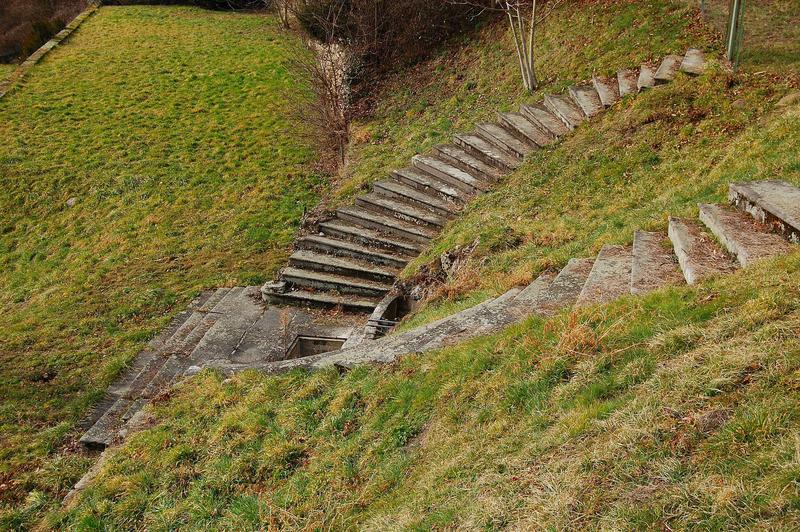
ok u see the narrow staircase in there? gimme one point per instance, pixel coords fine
(353, 259)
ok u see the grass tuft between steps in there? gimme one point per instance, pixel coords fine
(677, 409)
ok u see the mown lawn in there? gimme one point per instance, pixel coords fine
(6, 69)
(172, 132)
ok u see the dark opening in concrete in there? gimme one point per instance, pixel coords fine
(305, 346)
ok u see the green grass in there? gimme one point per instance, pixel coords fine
(671, 411)
(478, 76)
(6, 69)
(173, 129)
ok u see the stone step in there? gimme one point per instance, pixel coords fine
(607, 89)
(667, 69)
(369, 237)
(388, 224)
(565, 289)
(455, 156)
(210, 315)
(646, 78)
(586, 97)
(694, 62)
(742, 236)
(430, 201)
(501, 138)
(771, 202)
(698, 255)
(349, 267)
(306, 298)
(486, 152)
(222, 340)
(547, 121)
(401, 210)
(425, 182)
(526, 302)
(654, 264)
(347, 248)
(175, 365)
(309, 279)
(525, 130)
(449, 174)
(628, 79)
(565, 109)
(610, 277)
(104, 431)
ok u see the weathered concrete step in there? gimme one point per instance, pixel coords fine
(222, 340)
(647, 78)
(431, 201)
(458, 157)
(527, 301)
(772, 202)
(503, 139)
(486, 152)
(667, 69)
(339, 283)
(586, 97)
(389, 224)
(694, 62)
(310, 260)
(176, 363)
(425, 182)
(654, 264)
(743, 237)
(628, 79)
(525, 130)
(347, 248)
(176, 341)
(449, 174)
(565, 109)
(565, 289)
(401, 210)
(698, 255)
(104, 431)
(210, 315)
(308, 298)
(547, 121)
(607, 89)
(370, 238)
(610, 277)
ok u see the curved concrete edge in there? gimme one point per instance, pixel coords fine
(22, 70)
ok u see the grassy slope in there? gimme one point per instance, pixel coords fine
(6, 69)
(677, 410)
(170, 127)
(674, 409)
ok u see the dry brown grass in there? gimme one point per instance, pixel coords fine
(25, 25)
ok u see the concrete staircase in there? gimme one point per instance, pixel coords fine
(354, 258)
(762, 221)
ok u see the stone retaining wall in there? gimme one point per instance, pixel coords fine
(21, 71)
